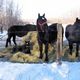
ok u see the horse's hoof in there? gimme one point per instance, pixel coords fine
(6, 46)
(77, 55)
(58, 61)
(70, 53)
(46, 59)
(40, 57)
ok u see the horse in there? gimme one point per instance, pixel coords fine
(46, 35)
(20, 31)
(25, 48)
(72, 34)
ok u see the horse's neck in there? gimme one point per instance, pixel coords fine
(77, 23)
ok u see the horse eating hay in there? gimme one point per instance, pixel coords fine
(20, 31)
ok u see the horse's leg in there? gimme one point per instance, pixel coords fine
(41, 49)
(8, 40)
(46, 52)
(14, 40)
(77, 49)
(6, 43)
(70, 47)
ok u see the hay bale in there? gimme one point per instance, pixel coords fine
(21, 57)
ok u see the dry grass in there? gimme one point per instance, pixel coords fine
(21, 57)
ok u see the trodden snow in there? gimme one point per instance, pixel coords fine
(52, 71)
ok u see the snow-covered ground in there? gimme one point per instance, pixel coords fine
(3, 37)
(17, 71)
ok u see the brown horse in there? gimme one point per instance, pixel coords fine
(46, 34)
(72, 34)
(20, 31)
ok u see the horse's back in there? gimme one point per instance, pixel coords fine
(16, 30)
(72, 33)
(31, 27)
(53, 27)
(21, 30)
(52, 32)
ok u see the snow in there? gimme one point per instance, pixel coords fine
(3, 37)
(52, 71)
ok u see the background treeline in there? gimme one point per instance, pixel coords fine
(10, 14)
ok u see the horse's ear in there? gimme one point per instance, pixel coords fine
(38, 14)
(77, 19)
(44, 15)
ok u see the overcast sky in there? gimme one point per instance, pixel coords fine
(52, 8)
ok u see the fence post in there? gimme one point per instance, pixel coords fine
(59, 43)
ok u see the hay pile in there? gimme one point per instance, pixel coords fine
(24, 57)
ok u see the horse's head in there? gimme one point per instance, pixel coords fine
(77, 20)
(41, 23)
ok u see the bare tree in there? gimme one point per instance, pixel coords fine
(9, 13)
(1, 5)
(1, 15)
(12, 13)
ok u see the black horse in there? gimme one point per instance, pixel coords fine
(20, 31)
(72, 34)
(46, 34)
